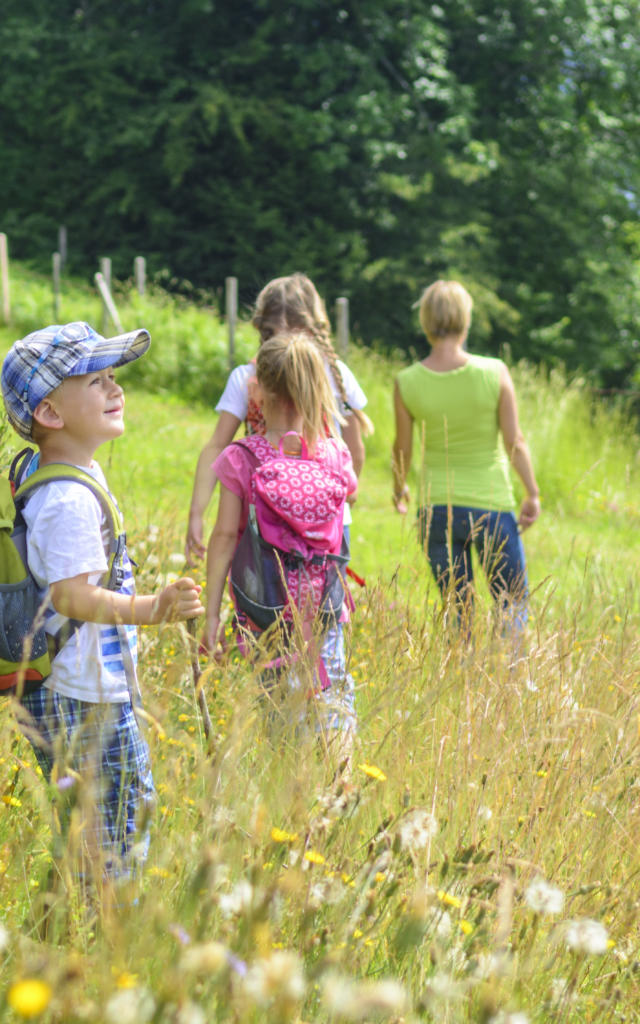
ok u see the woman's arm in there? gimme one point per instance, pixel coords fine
(205, 481)
(401, 451)
(222, 545)
(517, 449)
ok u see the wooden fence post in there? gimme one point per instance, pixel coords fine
(140, 273)
(56, 265)
(231, 309)
(342, 325)
(62, 244)
(109, 309)
(4, 277)
(105, 271)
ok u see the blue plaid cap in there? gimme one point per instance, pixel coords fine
(37, 364)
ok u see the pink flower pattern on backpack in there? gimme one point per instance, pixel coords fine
(299, 504)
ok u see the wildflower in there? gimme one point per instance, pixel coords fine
(360, 1000)
(373, 772)
(451, 901)
(509, 1018)
(313, 857)
(176, 558)
(278, 977)
(544, 898)
(4, 937)
(489, 965)
(585, 935)
(443, 987)
(29, 997)
(190, 1013)
(126, 980)
(417, 829)
(11, 801)
(240, 898)
(129, 1006)
(207, 958)
(465, 926)
(180, 934)
(280, 836)
(484, 813)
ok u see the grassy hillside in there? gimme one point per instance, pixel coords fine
(480, 865)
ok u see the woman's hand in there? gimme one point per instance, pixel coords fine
(529, 511)
(401, 501)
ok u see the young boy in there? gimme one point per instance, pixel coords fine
(60, 393)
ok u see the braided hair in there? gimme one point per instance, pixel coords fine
(292, 304)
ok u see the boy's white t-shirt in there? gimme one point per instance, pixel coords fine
(67, 535)
(235, 397)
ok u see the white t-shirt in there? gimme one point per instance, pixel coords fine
(68, 534)
(235, 397)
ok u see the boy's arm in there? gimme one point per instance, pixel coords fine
(78, 599)
(222, 545)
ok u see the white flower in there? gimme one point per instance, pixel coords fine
(355, 1000)
(204, 958)
(492, 965)
(130, 1006)
(509, 1018)
(240, 898)
(544, 898)
(277, 977)
(585, 935)
(416, 829)
(4, 937)
(191, 1013)
(177, 558)
(443, 987)
(485, 813)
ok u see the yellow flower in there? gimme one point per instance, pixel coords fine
(373, 772)
(126, 980)
(465, 926)
(29, 997)
(451, 901)
(11, 801)
(314, 857)
(280, 836)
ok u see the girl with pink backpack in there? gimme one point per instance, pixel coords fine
(279, 525)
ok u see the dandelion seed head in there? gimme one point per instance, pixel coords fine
(359, 1000)
(278, 978)
(239, 899)
(543, 898)
(417, 829)
(584, 935)
(129, 1006)
(205, 958)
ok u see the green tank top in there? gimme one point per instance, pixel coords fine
(456, 413)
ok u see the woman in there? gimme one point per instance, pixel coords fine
(465, 408)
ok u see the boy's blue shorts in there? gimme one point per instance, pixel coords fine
(98, 759)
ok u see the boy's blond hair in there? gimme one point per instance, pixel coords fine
(445, 309)
(290, 368)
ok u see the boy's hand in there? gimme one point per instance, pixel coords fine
(179, 600)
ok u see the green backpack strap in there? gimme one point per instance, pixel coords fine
(117, 538)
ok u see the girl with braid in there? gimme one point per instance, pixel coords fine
(285, 304)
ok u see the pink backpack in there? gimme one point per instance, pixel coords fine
(291, 551)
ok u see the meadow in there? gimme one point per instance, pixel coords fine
(481, 862)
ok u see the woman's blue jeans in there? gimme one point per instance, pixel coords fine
(448, 533)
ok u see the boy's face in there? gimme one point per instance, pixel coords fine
(89, 408)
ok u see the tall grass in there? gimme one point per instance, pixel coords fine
(480, 863)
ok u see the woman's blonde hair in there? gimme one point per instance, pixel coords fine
(290, 368)
(292, 304)
(445, 309)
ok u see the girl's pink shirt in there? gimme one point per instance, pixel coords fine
(233, 470)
